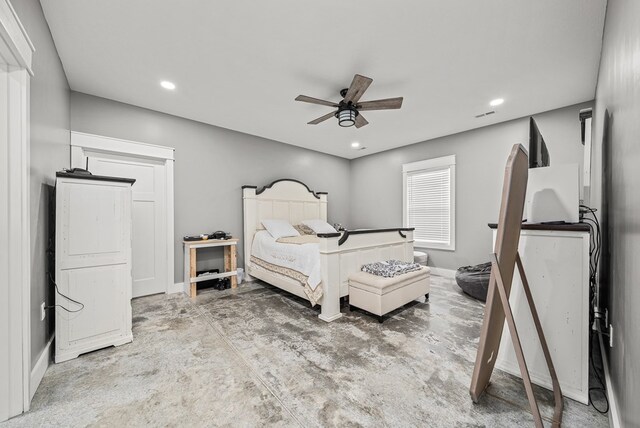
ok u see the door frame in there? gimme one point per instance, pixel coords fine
(16, 52)
(81, 142)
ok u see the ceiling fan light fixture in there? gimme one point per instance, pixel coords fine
(348, 110)
(347, 117)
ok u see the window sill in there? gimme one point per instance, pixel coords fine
(427, 246)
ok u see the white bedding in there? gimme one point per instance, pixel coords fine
(304, 258)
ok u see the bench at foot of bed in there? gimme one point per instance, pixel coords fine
(379, 295)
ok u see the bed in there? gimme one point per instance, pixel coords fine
(340, 254)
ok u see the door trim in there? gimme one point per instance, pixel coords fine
(119, 146)
(81, 141)
(16, 52)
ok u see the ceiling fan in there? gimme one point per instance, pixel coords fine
(348, 110)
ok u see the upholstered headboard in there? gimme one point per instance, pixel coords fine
(284, 199)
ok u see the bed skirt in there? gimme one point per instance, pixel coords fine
(313, 295)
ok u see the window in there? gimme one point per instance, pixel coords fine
(429, 201)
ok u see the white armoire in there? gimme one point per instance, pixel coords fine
(93, 263)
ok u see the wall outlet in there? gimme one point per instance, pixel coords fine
(611, 336)
(43, 312)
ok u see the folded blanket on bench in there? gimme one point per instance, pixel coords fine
(390, 268)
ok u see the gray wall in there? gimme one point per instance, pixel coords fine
(211, 166)
(207, 195)
(49, 153)
(376, 180)
(618, 92)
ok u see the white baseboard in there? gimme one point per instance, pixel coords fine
(178, 287)
(40, 368)
(447, 273)
(614, 412)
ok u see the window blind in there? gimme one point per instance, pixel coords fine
(429, 205)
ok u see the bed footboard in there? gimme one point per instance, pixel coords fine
(345, 253)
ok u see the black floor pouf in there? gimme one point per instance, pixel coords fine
(474, 280)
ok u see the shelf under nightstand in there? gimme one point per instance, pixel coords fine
(190, 257)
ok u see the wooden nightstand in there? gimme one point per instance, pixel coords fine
(190, 251)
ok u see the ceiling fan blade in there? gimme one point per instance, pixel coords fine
(357, 88)
(312, 100)
(322, 118)
(361, 121)
(386, 104)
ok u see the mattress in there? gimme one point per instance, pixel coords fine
(303, 258)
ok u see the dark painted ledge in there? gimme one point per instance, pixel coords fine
(567, 227)
(94, 177)
(345, 234)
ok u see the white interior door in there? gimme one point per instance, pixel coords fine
(149, 228)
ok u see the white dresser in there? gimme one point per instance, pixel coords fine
(556, 262)
(93, 263)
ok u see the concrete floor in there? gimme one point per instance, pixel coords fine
(255, 356)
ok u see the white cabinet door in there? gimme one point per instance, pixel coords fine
(149, 217)
(100, 290)
(92, 225)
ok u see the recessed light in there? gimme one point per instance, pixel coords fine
(496, 102)
(355, 144)
(168, 85)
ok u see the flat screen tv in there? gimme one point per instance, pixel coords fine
(538, 153)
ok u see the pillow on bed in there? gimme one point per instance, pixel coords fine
(319, 226)
(303, 229)
(279, 228)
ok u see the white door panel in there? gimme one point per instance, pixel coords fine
(92, 221)
(144, 236)
(99, 290)
(88, 239)
(149, 229)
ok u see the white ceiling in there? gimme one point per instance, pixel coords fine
(239, 64)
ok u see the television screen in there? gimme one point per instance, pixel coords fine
(538, 153)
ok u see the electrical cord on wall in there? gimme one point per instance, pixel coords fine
(594, 255)
(595, 248)
(66, 297)
(602, 388)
